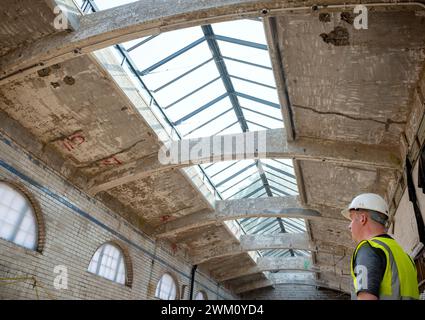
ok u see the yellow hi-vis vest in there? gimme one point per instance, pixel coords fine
(400, 277)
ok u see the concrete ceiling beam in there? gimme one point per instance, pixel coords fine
(295, 279)
(286, 264)
(295, 241)
(273, 143)
(139, 19)
(249, 145)
(253, 286)
(283, 207)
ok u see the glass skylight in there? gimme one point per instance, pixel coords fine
(201, 78)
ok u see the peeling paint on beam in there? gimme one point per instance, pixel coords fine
(286, 264)
(269, 144)
(188, 222)
(142, 18)
(341, 284)
(254, 285)
(124, 23)
(292, 279)
(259, 242)
(296, 241)
(273, 144)
(283, 207)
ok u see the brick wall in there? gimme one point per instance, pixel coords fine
(294, 292)
(75, 226)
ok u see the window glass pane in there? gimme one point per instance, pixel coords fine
(263, 120)
(243, 168)
(247, 30)
(201, 296)
(192, 121)
(163, 46)
(212, 126)
(196, 58)
(250, 72)
(17, 219)
(108, 262)
(261, 92)
(166, 288)
(245, 53)
(197, 101)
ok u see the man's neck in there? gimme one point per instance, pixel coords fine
(371, 234)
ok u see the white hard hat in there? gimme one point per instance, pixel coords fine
(368, 201)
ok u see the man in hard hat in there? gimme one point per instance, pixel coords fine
(379, 266)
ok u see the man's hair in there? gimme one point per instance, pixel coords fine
(378, 217)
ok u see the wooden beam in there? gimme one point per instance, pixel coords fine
(249, 145)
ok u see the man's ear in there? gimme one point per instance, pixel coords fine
(363, 217)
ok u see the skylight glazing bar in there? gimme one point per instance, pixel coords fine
(234, 175)
(277, 190)
(280, 171)
(229, 126)
(257, 124)
(171, 57)
(142, 42)
(236, 183)
(262, 114)
(182, 75)
(289, 223)
(208, 122)
(266, 102)
(264, 228)
(242, 42)
(282, 163)
(229, 166)
(205, 106)
(281, 178)
(281, 185)
(222, 69)
(191, 93)
(253, 192)
(247, 62)
(254, 82)
(247, 221)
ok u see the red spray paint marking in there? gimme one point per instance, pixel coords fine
(165, 218)
(111, 161)
(73, 141)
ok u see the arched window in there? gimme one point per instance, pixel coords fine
(201, 295)
(166, 288)
(108, 262)
(18, 223)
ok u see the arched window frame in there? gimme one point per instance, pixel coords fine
(176, 283)
(36, 209)
(128, 266)
(204, 295)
